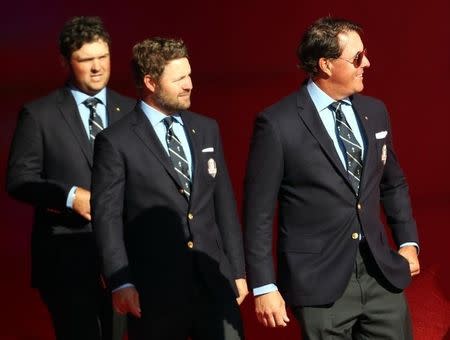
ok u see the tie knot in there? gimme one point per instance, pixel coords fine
(91, 103)
(335, 106)
(168, 121)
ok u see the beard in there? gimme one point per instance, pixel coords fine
(171, 103)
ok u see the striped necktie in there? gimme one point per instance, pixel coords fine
(353, 151)
(178, 157)
(95, 121)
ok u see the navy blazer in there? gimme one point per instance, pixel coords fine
(148, 232)
(294, 163)
(50, 153)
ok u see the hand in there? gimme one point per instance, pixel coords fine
(410, 254)
(126, 300)
(270, 310)
(81, 203)
(241, 285)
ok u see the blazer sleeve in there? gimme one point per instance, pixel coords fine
(262, 184)
(108, 183)
(395, 198)
(226, 214)
(26, 179)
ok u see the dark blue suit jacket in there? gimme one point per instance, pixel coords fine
(50, 153)
(144, 223)
(294, 163)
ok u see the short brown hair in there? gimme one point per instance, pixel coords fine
(321, 41)
(151, 56)
(79, 31)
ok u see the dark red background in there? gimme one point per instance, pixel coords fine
(243, 59)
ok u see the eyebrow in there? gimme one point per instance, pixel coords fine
(187, 75)
(91, 58)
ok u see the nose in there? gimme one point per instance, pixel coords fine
(187, 85)
(366, 62)
(95, 67)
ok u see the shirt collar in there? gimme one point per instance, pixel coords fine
(155, 116)
(320, 99)
(80, 97)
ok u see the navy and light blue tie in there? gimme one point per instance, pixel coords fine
(351, 146)
(95, 121)
(178, 157)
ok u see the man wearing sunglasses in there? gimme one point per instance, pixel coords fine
(325, 155)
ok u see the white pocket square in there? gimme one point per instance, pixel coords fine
(381, 134)
(208, 150)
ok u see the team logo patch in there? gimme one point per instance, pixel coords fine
(212, 168)
(384, 154)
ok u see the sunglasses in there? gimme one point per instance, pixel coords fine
(357, 60)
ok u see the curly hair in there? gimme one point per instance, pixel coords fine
(321, 41)
(80, 30)
(151, 56)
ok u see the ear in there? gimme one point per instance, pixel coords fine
(150, 83)
(325, 66)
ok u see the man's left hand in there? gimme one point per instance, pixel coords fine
(410, 254)
(242, 290)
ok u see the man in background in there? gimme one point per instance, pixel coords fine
(50, 166)
(164, 212)
(325, 155)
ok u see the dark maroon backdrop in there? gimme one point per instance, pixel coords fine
(243, 59)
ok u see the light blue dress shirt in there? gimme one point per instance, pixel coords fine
(156, 119)
(322, 102)
(80, 97)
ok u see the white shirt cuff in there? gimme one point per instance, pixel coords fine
(71, 197)
(125, 285)
(411, 244)
(271, 287)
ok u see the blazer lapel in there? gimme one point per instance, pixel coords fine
(309, 115)
(69, 111)
(147, 134)
(366, 131)
(113, 108)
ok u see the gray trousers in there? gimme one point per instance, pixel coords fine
(370, 308)
(119, 326)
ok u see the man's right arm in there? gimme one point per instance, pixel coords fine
(108, 185)
(107, 201)
(262, 184)
(26, 179)
(26, 174)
